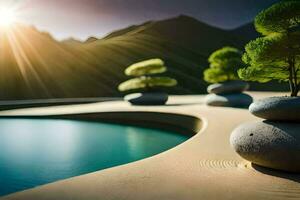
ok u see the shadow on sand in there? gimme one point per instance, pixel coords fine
(184, 104)
(277, 173)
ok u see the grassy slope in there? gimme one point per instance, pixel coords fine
(36, 66)
(45, 68)
(183, 42)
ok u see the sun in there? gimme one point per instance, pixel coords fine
(7, 17)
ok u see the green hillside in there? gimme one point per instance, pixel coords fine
(34, 65)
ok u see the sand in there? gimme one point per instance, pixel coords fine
(204, 167)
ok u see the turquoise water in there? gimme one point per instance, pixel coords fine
(34, 152)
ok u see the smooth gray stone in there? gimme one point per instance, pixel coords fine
(277, 108)
(273, 145)
(229, 100)
(147, 98)
(229, 87)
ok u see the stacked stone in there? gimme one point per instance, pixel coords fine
(228, 94)
(275, 142)
(153, 98)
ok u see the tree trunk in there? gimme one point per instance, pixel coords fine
(295, 72)
(228, 77)
(293, 79)
(146, 85)
(291, 86)
(297, 90)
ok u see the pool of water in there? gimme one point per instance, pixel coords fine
(34, 152)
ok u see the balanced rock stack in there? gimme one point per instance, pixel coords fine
(155, 98)
(228, 94)
(275, 142)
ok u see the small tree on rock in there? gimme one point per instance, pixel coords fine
(276, 55)
(224, 64)
(145, 76)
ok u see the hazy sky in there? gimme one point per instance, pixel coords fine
(82, 18)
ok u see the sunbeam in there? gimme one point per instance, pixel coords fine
(24, 63)
(8, 16)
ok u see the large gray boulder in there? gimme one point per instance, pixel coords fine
(229, 100)
(269, 144)
(229, 87)
(277, 108)
(147, 98)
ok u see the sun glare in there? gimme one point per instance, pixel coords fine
(7, 17)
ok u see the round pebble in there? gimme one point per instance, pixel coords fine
(274, 145)
(147, 98)
(277, 108)
(230, 87)
(229, 100)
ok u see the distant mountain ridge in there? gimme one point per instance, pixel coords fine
(37, 66)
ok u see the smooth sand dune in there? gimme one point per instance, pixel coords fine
(205, 167)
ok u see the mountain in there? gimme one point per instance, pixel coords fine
(91, 39)
(71, 41)
(34, 65)
(246, 32)
(187, 31)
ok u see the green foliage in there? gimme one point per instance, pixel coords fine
(276, 56)
(215, 75)
(224, 54)
(224, 64)
(268, 58)
(271, 50)
(279, 18)
(145, 79)
(152, 66)
(147, 82)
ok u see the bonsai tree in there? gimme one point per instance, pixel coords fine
(224, 64)
(145, 76)
(276, 55)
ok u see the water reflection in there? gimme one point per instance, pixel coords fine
(149, 142)
(36, 152)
